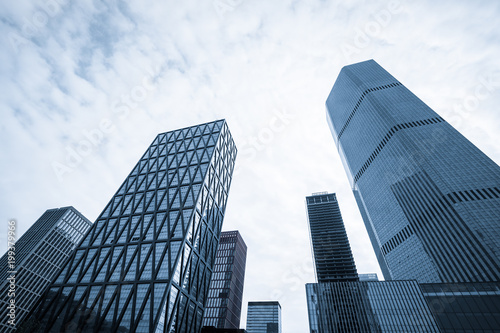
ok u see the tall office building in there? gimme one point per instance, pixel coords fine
(340, 302)
(429, 198)
(331, 249)
(223, 307)
(38, 255)
(368, 307)
(368, 277)
(264, 317)
(146, 263)
(464, 307)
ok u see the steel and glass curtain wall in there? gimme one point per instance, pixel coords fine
(146, 264)
(38, 255)
(429, 198)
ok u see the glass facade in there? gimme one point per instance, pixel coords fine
(39, 254)
(464, 307)
(212, 329)
(378, 307)
(223, 307)
(429, 198)
(146, 263)
(264, 317)
(331, 249)
(368, 277)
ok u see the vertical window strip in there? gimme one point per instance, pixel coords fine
(384, 142)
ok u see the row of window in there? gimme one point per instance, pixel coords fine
(32, 237)
(397, 239)
(393, 306)
(472, 195)
(170, 162)
(389, 135)
(457, 253)
(314, 199)
(36, 272)
(363, 95)
(162, 179)
(72, 222)
(181, 145)
(189, 132)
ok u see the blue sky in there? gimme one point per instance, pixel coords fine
(86, 87)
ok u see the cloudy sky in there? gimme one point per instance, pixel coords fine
(86, 87)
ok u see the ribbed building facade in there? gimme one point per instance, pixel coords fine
(429, 198)
(39, 254)
(340, 302)
(368, 307)
(225, 295)
(146, 264)
(264, 317)
(331, 249)
(368, 277)
(464, 307)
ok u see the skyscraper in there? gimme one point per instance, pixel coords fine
(39, 254)
(339, 302)
(464, 307)
(331, 249)
(225, 295)
(368, 277)
(368, 307)
(429, 198)
(264, 317)
(146, 263)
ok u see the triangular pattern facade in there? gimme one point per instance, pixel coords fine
(146, 263)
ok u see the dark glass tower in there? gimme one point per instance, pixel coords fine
(464, 307)
(339, 302)
(225, 295)
(39, 254)
(368, 307)
(429, 198)
(264, 317)
(332, 252)
(146, 263)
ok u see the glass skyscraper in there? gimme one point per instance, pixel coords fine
(146, 263)
(368, 307)
(264, 317)
(225, 295)
(339, 302)
(429, 198)
(39, 254)
(331, 249)
(368, 277)
(464, 307)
